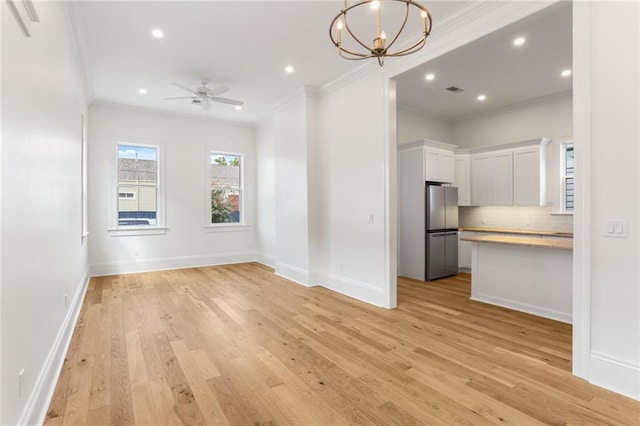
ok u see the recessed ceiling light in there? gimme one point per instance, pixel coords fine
(143, 91)
(482, 97)
(429, 76)
(519, 41)
(565, 73)
(288, 69)
(238, 107)
(157, 33)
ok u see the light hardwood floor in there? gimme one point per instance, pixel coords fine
(238, 345)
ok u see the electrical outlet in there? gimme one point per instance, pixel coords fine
(370, 219)
(20, 383)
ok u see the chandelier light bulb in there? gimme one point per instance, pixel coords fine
(423, 14)
(340, 25)
(383, 35)
(375, 5)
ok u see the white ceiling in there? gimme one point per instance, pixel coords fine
(493, 66)
(244, 45)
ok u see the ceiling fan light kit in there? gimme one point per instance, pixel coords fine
(357, 49)
(203, 95)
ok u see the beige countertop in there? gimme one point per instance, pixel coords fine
(517, 231)
(563, 244)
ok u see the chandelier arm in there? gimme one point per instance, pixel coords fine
(346, 25)
(411, 49)
(404, 23)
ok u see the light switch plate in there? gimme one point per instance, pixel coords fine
(616, 228)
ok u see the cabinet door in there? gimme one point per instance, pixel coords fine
(464, 251)
(462, 179)
(445, 167)
(502, 171)
(431, 165)
(481, 178)
(526, 177)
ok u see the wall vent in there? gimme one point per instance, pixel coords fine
(454, 89)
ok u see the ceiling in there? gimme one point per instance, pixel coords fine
(493, 66)
(244, 45)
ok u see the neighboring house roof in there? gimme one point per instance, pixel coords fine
(142, 170)
(225, 176)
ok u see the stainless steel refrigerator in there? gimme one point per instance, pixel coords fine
(442, 232)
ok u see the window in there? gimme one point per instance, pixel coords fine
(567, 164)
(137, 185)
(225, 188)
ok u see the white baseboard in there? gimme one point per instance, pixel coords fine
(149, 265)
(523, 307)
(355, 289)
(616, 375)
(295, 274)
(266, 259)
(35, 409)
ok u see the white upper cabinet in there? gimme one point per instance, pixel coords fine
(506, 175)
(529, 175)
(492, 178)
(438, 164)
(462, 178)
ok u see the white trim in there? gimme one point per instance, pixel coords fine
(80, 50)
(163, 264)
(614, 374)
(265, 259)
(129, 231)
(523, 307)
(226, 227)
(355, 289)
(295, 274)
(390, 150)
(582, 214)
(35, 410)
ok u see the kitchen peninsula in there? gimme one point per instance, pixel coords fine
(528, 273)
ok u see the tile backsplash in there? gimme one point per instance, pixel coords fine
(526, 218)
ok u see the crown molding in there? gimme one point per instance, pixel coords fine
(301, 93)
(80, 49)
(108, 104)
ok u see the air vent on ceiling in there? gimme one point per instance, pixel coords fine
(454, 89)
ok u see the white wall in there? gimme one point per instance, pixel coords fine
(185, 143)
(43, 253)
(266, 193)
(550, 117)
(415, 125)
(353, 140)
(291, 203)
(607, 286)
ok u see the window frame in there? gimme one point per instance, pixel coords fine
(133, 230)
(564, 176)
(225, 226)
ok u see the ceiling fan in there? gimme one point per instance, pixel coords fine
(203, 95)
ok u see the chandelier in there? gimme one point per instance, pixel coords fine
(357, 49)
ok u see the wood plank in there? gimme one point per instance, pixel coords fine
(236, 344)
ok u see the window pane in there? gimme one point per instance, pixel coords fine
(137, 185)
(225, 188)
(569, 161)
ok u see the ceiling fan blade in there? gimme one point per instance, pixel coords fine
(228, 101)
(180, 97)
(218, 91)
(185, 88)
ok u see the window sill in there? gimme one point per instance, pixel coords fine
(137, 230)
(226, 228)
(562, 213)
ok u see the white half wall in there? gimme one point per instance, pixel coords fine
(415, 125)
(185, 143)
(44, 256)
